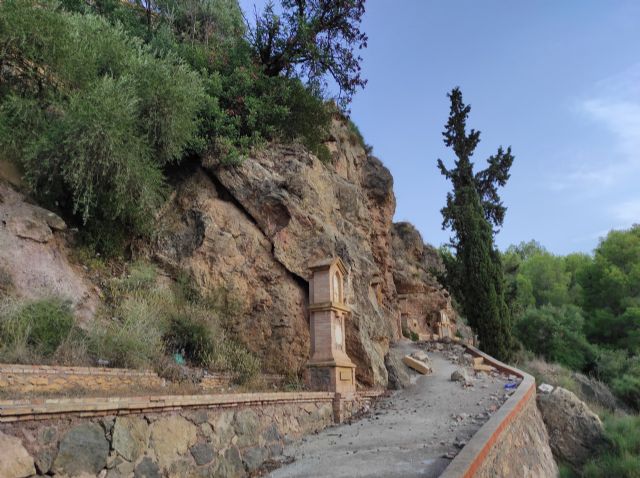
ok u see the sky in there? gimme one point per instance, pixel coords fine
(559, 81)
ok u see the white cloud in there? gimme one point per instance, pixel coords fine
(615, 105)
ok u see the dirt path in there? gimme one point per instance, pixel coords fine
(406, 435)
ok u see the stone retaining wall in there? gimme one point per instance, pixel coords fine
(21, 379)
(514, 442)
(200, 435)
(27, 379)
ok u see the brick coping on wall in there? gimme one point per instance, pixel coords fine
(56, 370)
(41, 409)
(97, 371)
(475, 452)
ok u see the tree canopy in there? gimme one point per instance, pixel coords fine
(313, 39)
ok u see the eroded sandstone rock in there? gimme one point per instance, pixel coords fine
(423, 301)
(15, 461)
(208, 235)
(575, 432)
(34, 259)
(310, 211)
(256, 228)
(595, 391)
(397, 370)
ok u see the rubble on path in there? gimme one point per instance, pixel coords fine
(417, 365)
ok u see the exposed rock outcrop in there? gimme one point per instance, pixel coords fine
(206, 233)
(252, 231)
(425, 305)
(398, 372)
(34, 257)
(594, 391)
(575, 432)
(308, 211)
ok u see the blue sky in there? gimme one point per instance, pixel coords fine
(559, 81)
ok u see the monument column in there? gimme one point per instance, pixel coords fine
(330, 369)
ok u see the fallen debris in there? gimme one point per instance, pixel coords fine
(421, 355)
(416, 365)
(545, 388)
(460, 375)
(482, 368)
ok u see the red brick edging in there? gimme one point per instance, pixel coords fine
(469, 461)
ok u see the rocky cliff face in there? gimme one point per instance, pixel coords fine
(252, 231)
(256, 228)
(34, 255)
(423, 299)
(207, 234)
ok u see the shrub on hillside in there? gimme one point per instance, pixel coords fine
(556, 333)
(132, 338)
(141, 276)
(621, 372)
(189, 334)
(91, 114)
(231, 356)
(34, 330)
(622, 458)
(41, 325)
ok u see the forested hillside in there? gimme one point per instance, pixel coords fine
(580, 310)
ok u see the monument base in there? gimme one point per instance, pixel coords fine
(331, 378)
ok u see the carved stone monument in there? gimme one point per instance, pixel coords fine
(330, 369)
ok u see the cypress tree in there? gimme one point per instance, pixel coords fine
(472, 212)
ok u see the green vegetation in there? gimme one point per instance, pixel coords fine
(34, 329)
(317, 39)
(622, 457)
(188, 335)
(141, 325)
(474, 274)
(98, 99)
(555, 333)
(582, 311)
(91, 114)
(410, 334)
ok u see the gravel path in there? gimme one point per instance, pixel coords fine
(415, 432)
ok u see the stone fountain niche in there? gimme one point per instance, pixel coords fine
(330, 369)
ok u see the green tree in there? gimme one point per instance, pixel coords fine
(611, 290)
(556, 333)
(548, 278)
(472, 208)
(312, 40)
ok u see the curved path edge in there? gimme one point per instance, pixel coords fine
(474, 457)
